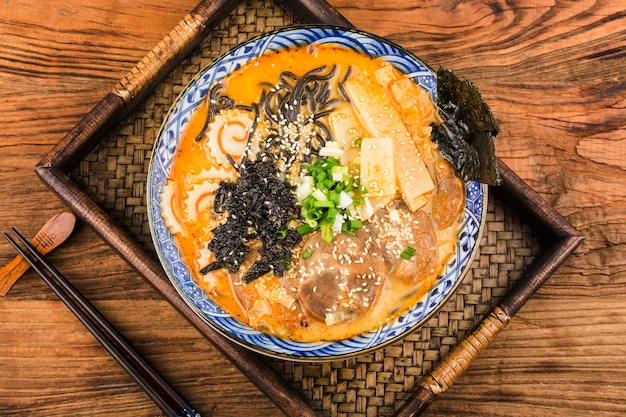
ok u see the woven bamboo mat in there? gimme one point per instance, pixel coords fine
(115, 172)
(115, 175)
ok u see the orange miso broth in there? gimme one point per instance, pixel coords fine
(373, 209)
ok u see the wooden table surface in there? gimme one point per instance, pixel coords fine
(554, 73)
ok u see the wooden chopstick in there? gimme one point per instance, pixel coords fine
(164, 395)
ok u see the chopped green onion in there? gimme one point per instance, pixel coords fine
(305, 188)
(356, 224)
(339, 169)
(334, 197)
(320, 176)
(344, 200)
(308, 212)
(327, 232)
(328, 183)
(319, 195)
(307, 253)
(330, 199)
(280, 234)
(338, 223)
(357, 142)
(331, 214)
(407, 253)
(286, 263)
(314, 224)
(327, 204)
(313, 216)
(304, 229)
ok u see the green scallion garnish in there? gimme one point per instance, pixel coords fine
(280, 234)
(329, 198)
(407, 253)
(305, 228)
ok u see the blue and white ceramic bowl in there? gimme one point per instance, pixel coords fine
(175, 267)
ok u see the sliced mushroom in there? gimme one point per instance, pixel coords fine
(449, 198)
(341, 279)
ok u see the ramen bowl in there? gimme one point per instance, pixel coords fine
(169, 251)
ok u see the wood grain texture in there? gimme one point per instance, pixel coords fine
(554, 73)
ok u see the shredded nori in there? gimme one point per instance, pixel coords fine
(466, 136)
(257, 206)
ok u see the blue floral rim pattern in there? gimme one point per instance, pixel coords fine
(164, 153)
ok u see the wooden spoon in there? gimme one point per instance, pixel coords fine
(52, 234)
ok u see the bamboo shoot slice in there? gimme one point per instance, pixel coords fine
(378, 174)
(345, 126)
(347, 129)
(416, 107)
(379, 116)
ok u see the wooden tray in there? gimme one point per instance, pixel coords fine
(407, 376)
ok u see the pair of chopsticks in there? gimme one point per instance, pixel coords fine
(164, 395)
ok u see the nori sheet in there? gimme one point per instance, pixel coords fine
(466, 136)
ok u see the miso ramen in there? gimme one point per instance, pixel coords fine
(307, 197)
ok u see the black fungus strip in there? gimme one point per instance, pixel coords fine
(291, 104)
(256, 207)
(340, 86)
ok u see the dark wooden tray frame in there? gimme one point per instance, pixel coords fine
(561, 237)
